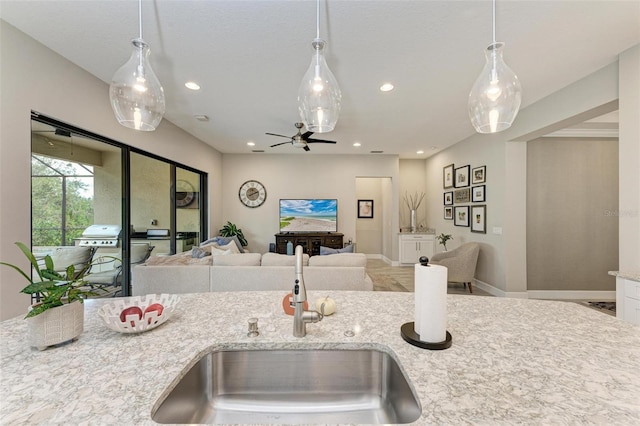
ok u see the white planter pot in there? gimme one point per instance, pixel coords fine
(56, 325)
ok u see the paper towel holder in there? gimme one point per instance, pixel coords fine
(410, 336)
(424, 260)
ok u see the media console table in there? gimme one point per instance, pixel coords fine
(310, 241)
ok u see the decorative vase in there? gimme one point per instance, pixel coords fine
(413, 221)
(56, 325)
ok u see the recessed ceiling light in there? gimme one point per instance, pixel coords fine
(386, 87)
(201, 117)
(192, 85)
(250, 143)
(420, 152)
(357, 144)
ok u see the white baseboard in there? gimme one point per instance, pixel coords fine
(495, 291)
(376, 256)
(601, 296)
(384, 258)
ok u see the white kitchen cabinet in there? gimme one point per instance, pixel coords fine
(413, 246)
(628, 300)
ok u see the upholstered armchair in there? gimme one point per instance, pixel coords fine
(460, 263)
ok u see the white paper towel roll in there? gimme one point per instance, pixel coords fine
(431, 303)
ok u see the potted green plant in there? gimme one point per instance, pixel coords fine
(443, 238)
(230, 230)
(59, 298)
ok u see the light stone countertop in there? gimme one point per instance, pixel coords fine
(512, 361)
(629, 275)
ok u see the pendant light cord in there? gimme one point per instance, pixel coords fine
(140, 17)
(318, 19)
(494, 21)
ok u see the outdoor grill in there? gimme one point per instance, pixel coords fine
(100, 236)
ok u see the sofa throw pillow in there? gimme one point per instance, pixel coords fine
(223, 241)
(199, 253)
(328, 250)
(216, 251)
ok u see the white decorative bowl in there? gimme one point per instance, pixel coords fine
(110, 313)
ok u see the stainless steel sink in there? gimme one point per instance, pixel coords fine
(292, 386)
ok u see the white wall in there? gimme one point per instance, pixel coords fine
(370, 231)
(300, 176)
(413, 183)
(629, 146)
(33, 77)
(476, 151)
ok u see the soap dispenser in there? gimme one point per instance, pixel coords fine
(289, 248)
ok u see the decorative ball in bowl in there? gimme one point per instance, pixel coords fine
(138, 313)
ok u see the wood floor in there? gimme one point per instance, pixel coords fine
(400, 278)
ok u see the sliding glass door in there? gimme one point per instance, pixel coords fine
(85, 186)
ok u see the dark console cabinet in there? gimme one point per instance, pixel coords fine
(309, 241)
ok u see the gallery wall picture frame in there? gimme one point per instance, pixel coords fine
(479, 175)
(448, 198)
(461, 177)
(479, 219)
(447, 176)
(478, 194)
(365, 209)
(461, 196)
(448, 213)
(461, 216)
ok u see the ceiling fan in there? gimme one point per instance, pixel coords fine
(300, 140)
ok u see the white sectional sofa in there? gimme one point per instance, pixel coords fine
(253, 271)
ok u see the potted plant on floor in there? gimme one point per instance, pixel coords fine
(58, 314)
(443, 238)
(230, 230)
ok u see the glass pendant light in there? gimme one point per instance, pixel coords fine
(136, 96)
(495, 97)
(319, 95)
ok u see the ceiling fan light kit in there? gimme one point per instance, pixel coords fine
(496, 95)
(135, 93)
(300, 140)
(319, 95)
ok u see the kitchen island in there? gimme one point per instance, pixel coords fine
(512, 361)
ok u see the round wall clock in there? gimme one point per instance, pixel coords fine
(252, 193)
(185, 193)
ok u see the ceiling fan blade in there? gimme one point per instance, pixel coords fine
(278, 144)
(306, 135)
(275, 134)
(306, 148)
(319, 141)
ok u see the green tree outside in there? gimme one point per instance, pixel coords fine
(49, 175)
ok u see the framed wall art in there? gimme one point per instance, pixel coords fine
(448, 198)
(448, 213)
(461, 177)
(461, 196)
(479, 175)
(479, 219)
(447, 176)
(461, 215)
(477, 194)
(365, 209)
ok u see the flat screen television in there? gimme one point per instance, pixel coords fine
(309, 215)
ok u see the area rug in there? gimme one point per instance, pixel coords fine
(606, 307)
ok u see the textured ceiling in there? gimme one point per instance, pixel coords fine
(249, 58)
